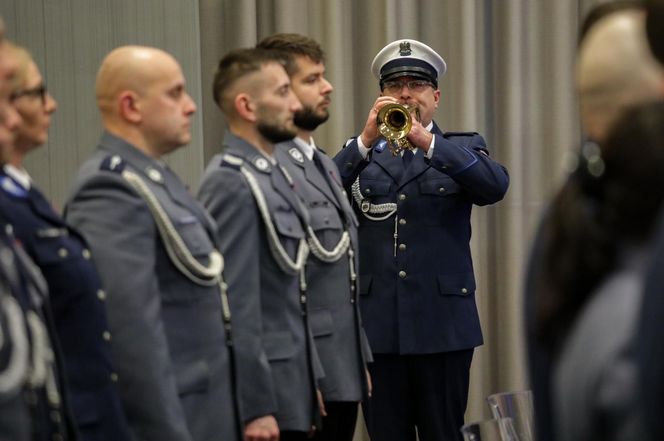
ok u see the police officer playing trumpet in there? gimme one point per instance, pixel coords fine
(414, 202)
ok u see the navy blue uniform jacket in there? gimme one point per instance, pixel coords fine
(79, 313)
(416, 272)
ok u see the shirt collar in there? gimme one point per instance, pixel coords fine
(20, 175)
(308, 148)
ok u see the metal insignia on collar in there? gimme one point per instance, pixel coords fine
(154, 174)
(261, 164)
(296, 154)
(404, 48)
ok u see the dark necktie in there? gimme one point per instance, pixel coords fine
(407, 157)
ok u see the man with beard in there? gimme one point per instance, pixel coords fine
(331, 269)
(261, 230)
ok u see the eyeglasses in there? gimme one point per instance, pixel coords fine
(414, 85)
(36, 92)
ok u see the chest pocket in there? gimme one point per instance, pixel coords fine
(55, 249)
(287, 223)
(442, 186)
(195, 237)
(375, 190)
(324, 215)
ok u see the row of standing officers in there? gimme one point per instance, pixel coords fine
(237, 315)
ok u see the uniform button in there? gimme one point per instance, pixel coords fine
(62, 252)
(367, 191)
(327, 221)
(352, 300)
(106, 335)
(402, 274)
(464, 291)
(402, 221)
(114, 377)
(101, 295)
(9, 229)
(402, 197)
(441, 189)
(303, 299)
(86, 254)
(402, 247)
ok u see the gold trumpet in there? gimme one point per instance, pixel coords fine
(394, 122)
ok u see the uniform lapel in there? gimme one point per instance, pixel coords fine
(392, 165)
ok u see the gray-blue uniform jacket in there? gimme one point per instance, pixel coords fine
(334, 314)
(79, 312)
(277, 363)
(169, 341)
(417, 280)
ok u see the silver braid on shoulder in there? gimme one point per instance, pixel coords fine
(181, 257)
(282, 258)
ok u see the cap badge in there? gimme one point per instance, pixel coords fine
(296, 154)
(404, 48)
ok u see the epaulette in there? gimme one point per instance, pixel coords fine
(9, 186)
(231, 161)
(113, 163)
(460, 133)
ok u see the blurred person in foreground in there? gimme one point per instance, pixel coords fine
(615, 71)
(75, 294)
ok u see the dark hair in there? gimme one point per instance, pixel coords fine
(293, 45)
(237, 64)
(654, 27)
(602, 10)
(597, 212)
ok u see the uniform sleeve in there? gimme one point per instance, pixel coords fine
(226, 195)
(122, 235)
(350, 162)
(466, 160)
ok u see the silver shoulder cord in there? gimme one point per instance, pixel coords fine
(177, 251)
(278, 252)
(368, 209)
(11, 378)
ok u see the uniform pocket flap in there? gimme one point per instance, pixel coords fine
(461, 284)
(278, 345)
(370, 187)
(440, 187)
(321, 322)
(193, 377)
(288, 224)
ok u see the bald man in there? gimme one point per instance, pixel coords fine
(615, 70)
(155, 250)
(261, 226)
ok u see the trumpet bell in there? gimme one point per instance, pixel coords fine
(394, 123)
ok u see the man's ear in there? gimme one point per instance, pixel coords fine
(245, 107)
(128, 107)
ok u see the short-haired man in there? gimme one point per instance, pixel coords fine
(331, 269)
(261, 229)
(417, 281)
(155, 251)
